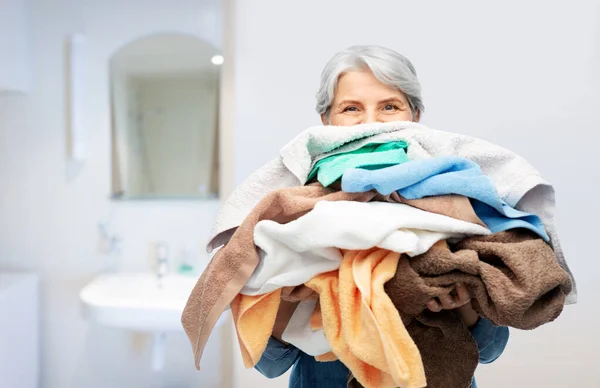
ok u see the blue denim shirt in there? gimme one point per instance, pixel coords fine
(308, 373)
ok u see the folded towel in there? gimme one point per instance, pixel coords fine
(513, 278)
(299, 250)
(371, 157)
(361, 323)
(232, 266)
(519, 184)
(440, 176)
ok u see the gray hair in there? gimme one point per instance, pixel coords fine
(388, 66)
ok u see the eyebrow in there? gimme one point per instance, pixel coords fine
(387, 100)
(392, 99)
(347, 102)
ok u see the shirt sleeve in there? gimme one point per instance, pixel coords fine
(491, 340)
(277, 358)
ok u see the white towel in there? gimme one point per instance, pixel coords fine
(299, 333)
(296, 252)
(519, 184)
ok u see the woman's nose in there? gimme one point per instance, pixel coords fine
(370, 117)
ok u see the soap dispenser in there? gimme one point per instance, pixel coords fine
(187, 260)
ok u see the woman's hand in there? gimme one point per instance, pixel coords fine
(458, 299)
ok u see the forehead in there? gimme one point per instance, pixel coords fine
(363, 84)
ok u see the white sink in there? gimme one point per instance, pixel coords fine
(136, 302)
(139, 302)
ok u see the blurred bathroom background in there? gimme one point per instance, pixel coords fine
(124, 124)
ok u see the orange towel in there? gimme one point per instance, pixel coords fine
(362, 325)
(316, 323)
(360, 321)
(254, 318)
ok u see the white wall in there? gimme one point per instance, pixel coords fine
(525, 75)
(49, 209)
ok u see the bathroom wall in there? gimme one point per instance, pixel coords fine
(49, 208)
(525, 75)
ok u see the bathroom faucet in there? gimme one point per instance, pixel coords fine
(162, 261)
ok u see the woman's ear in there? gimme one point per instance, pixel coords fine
(324, 119)
(418, 116)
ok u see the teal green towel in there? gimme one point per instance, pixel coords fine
(372, 156)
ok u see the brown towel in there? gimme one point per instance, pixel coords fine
(231, 267)
(448, 350)
(514, 279)
(513, 276)
(454, 206)
(451, 205)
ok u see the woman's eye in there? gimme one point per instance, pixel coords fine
(350, 109)
(390, 107)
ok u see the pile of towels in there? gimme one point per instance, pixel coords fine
(361, 226)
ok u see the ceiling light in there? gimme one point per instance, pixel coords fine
(217, 60)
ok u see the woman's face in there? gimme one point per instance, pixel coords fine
(360, 98)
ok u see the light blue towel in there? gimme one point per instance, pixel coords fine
(442, 176)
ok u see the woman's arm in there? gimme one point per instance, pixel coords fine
(277, 358)
(491, 340)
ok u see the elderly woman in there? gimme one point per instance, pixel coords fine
(366, 84)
